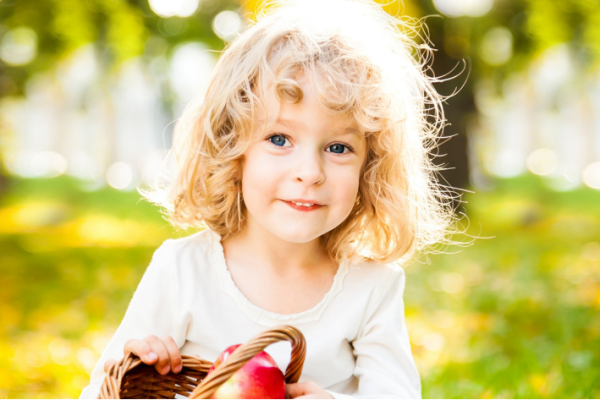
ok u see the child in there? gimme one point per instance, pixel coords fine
(306, 164)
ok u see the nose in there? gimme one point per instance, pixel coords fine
(309, 169)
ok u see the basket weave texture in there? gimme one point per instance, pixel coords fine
(130, 378)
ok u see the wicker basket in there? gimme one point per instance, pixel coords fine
(130, 378)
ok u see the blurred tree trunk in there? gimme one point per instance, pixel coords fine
(3, 181)
(452, 152)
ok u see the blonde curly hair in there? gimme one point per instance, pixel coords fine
(366, 65)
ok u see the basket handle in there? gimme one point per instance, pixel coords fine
(111, 385)
(246, 351)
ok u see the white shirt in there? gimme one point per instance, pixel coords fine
(356, 338)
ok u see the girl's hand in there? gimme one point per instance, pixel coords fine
(305, 390)
(163, 353)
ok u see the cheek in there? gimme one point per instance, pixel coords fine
(344, 187)
(259, 178)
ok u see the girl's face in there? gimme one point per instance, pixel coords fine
(307, 154)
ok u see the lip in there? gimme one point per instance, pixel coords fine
(302, 208)
(305, 201)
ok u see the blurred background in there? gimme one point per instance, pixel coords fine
(89, 91)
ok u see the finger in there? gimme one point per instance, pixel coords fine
(311, 396)
(174, 354)
(141, 349)
(305, 390)
(163, 365)
(109, 363)
(294, 390)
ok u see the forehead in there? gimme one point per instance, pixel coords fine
(342, 125)
(307, 114)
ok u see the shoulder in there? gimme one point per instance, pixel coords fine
(382, 288)
(379, 276)
(376, 283)
(180, 252)
(195, 241)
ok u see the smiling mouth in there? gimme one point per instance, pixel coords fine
(299, 203)
(302, 206)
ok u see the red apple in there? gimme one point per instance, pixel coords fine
(259, 378)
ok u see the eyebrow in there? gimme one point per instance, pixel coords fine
(293, 124)
(290, 123)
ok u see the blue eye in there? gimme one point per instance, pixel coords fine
(338, 147)
(280, 140)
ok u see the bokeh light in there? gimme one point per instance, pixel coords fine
(48, 164)
(459, 8)
(119, 175)
(496, 46)
(191, 66)
(151, 165)
(170, 8)
(172, 26)
(591, 175)
(227, 24)
(44, 164)
(591, 251)
(87, 358)
(542, 161)
(564, 181)
(506, 163)
(452, 283)
(433, 341)
(19, 46)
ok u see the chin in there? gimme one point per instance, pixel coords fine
(296, 234)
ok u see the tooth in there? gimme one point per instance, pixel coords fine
(303, 204)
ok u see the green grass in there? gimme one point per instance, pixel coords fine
(513, 316)
(525, 322)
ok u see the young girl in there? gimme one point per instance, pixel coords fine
(306, 163)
